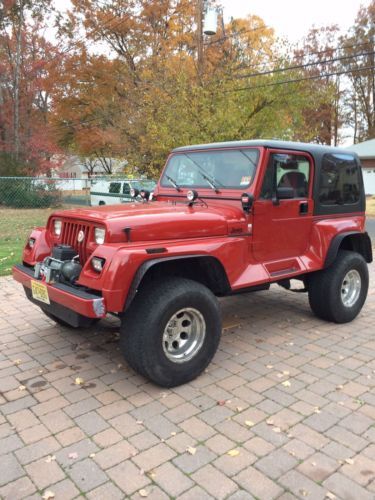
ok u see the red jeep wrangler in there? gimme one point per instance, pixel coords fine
(225, 218)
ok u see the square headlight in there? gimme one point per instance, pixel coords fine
(99, 235)
(57, 225)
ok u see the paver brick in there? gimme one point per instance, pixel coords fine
(153, 457)
(127, 477)
(10, 469)
(114, 454)
(346, 489)
(87, 475)
(44, 474)
(172, 480)
(214, 481)
(19, 489)
(257, 484)
(190, 463)
(276, 463)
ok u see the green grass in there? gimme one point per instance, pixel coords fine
(15, 227)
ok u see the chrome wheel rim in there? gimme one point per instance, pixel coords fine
(351, 288)
(184, 335)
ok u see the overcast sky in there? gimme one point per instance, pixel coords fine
(290, 18)
(293, 18)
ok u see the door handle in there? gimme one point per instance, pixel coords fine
(304, 208)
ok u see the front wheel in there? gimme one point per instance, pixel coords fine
(171, 331)
(338, 293)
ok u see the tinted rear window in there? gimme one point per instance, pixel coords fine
(339, 180)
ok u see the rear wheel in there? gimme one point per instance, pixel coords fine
(339, 292)
(171, 331)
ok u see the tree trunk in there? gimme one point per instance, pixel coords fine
(17, 72)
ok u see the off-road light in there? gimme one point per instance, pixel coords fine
(57, 225)
(247, 201)
(99, 235)
(134, 192)
(97, 264)
(191, 195)
(31, 242)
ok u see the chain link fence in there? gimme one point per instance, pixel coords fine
(50, 192)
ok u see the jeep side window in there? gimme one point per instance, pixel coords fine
(286, 170)
(126, 188)
(339, 180)
(115, 187)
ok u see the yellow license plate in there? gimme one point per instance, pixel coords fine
(39, 292)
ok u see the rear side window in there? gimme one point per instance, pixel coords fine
(115, 187)
(339, 180)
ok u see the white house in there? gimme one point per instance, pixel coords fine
(366, 151)
(75, 171)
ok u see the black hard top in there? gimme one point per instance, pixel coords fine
(314, 149)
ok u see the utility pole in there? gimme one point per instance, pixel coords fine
(200, 7)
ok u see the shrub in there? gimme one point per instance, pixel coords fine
(28, 193)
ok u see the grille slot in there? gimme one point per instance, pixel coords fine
(69, 236)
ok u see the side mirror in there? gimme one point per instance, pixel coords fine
(247, 200)
(284, 193)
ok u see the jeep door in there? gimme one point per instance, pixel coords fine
(282, 227)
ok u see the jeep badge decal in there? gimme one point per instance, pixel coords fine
(81, 236)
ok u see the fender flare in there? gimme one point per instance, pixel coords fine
(364, 249)
(147, 265)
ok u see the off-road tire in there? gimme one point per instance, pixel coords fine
(325, 288)
(143, 325)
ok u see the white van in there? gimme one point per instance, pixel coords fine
(115, 191)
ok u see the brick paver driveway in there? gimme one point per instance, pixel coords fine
(285, 411)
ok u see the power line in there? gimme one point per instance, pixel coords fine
(295, 80)
(302, 56)
(302, 66)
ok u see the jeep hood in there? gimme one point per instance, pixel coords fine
(160, 220)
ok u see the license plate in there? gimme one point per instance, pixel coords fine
(39, 292)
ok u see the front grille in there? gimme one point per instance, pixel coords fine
(69, 236)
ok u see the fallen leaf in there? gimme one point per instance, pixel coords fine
(339, 387)
(330, 495)
(313, 464)
(143, 493)
(276, 429)
(113, 370)
(304, 493)
(141, 472)
(249, 423)
(221, 402)
(173, 433)
(317, 410)
(349, 461)
(191, 450)
(239, 408)
(139, 422)
(233, 453)
(79, 381)
(50, 458)
(119, 365)
(22, 388)
(285, 372)
(269, 421)
(17, 361)
(73, 455)
(92, 455)
(269, 367)
(286, 383)
(47, 495)
(279, 375)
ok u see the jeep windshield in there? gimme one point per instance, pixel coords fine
(224, 169)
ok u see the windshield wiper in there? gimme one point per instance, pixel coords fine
(174, 183)
(210, 181)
